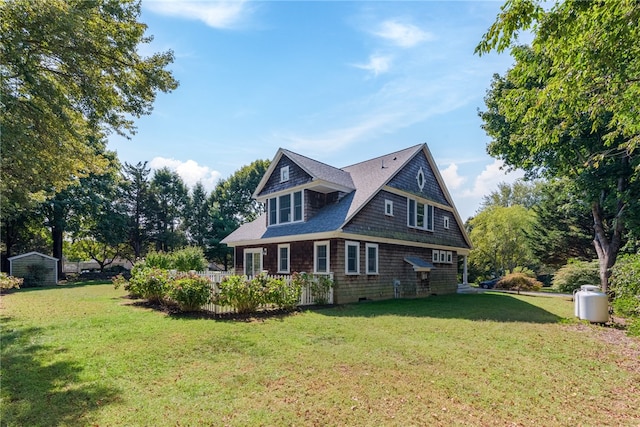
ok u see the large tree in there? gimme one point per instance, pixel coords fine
(70, 72)
(568, 107)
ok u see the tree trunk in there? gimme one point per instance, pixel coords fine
(607, 249)
(56, 235)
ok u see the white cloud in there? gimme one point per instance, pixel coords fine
(488, 180)
(377, 64)
(403, 35)
(216, 14)
(190, 171)
(451, 177)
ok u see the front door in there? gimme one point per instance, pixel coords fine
(252, 261)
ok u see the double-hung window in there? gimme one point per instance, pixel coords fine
(283, 258)
(286, 208)
(372, 258)
(419, 215)
(352, 258)
(321, 257)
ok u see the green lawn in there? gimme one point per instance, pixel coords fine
(85, 356)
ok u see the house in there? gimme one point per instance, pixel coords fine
(385, 228)
(37, 269)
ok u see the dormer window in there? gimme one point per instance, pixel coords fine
(286, 208)
(284, 174)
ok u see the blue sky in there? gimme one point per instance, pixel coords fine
(340, 82)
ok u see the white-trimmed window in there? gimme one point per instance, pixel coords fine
(419, 215)
(372, 258)
(388, 207)
(252, 261)
(283, 258)
(286, 208)
(435, 255)
(284, 174)
(445, 221)
(442, 257)
(321, 257)
(449, 257)
(352, 258)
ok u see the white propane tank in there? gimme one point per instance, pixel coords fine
(593, 306)
(577, 296)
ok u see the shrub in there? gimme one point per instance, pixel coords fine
(575, 274)
(9, 282)
(319, 286)
(149, 283)
(519, 282)
(190, 292)
(189, 258)
(36, 274)
(625, 286)
(282, 294)
(186, 259)
(241, 293)
(158, 260)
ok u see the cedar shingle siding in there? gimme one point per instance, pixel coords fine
(348, 205)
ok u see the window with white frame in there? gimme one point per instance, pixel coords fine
(388, 207)
(321, 257)
(419, 215)
(252, 261)
(352, 258)
(283, 258)
(442, 257)
(286, 208)
(372, 258)
(445, 221)
(284, 174)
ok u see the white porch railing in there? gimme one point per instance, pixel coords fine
(215, 277)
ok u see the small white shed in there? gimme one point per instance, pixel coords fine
(37, 269)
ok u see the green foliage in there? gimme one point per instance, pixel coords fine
(500, 237)
(575, 274)
(625, 284)
(36, 274)
(9, 282)
(282, 294)
(151, 283)
(158, 260)
(235, 194)
(568, 106)
(241, 293)
(189, 258)
(185, 259)
(71, 72)
(190, 292)
(319, 286)
(519, 282)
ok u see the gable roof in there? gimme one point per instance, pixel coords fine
(362, 181)
(31, 253)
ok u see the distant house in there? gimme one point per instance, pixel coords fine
(37, 269)
(385, 228)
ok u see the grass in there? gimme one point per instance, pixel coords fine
(84, 355)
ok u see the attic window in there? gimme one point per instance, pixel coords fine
(446, 222)
(388, 207)
(420, 178)
(284, 174)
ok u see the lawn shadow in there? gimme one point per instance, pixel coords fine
(37, 392)
(493, 307)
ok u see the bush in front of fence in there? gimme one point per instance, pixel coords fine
(319, 286)
(246, 295)
(190, 291)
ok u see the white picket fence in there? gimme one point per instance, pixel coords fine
(215, 277)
